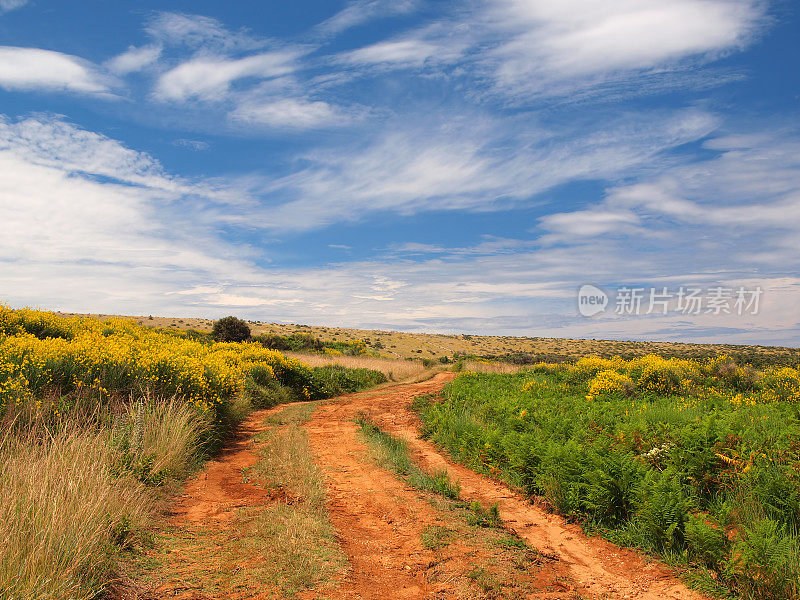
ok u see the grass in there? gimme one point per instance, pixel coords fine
(297, 414)
(394, 370)
(281, 547)
(402, 345)
(475, 366)
(435, 537)
(100, 418)
(696, 462)
(393, 453)
(295, 541)
(73, 499)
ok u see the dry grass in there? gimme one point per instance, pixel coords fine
(295, 540)
(493, 367)
(274, 550)
(395, 370)
(70, 499)
(61, 507)
(399, 344)
(170, 432)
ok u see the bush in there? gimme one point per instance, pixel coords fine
(230, 329)
(272, 341)
(611, 382)
(700, 465)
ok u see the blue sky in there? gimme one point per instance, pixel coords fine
(406, 164)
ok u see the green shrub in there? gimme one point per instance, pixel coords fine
(662, 511)
(230, 329)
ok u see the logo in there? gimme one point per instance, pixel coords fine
(591, 300)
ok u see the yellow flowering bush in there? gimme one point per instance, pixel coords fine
(117, 357)
(657, 375)
(589, 366)
(783, 382)
(611, 382)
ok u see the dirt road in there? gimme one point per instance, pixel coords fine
(599, 569)
(382, 523)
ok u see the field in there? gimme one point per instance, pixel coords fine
(696, 461)
(398, 344)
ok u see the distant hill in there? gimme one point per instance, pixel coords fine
(397, 344)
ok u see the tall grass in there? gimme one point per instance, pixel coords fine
(97, 415)
(477, 366)
(395, 370)
(71, 499)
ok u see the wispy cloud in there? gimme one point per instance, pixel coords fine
(134, 59)
(358, 12)
(474, 165)
(36, 69)
(200, 32)
(209, 78)
(292, 113)
(7, 5)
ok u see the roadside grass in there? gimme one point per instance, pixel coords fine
(283, 546)
(293, 537)
(393, 453)
(395, 370)
(298, 413)
(500, 564)
(74, 499)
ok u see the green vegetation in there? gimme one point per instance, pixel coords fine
(230, 329)
(698, 462)
(305, 342)
(393, 453)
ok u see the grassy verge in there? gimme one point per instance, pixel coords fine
(100, 420)
(72, 500)
(282, 546)
(393, 453)
(696, 462)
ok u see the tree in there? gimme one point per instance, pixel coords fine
(230, 329)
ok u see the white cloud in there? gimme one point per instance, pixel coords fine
(37, 69)
(134, 59)
(196, 145)
(52, 142)
(358, 12)
(209, 78)
(291, 113)
(554, 47)
(407, 51)
(7, 5)
(197, 31)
